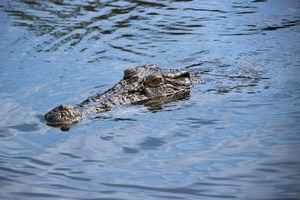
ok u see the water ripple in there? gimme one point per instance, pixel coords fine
(26, 127)
(76, 178)
(33, 160)
(180, 190)
(37, 195)
(15, 171)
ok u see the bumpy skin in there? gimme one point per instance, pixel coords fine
(146, 85)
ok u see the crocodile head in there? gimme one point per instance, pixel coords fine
(148, 83)
(63, 116)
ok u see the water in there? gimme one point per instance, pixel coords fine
(232, 139)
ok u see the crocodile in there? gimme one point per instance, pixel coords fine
(142, 85)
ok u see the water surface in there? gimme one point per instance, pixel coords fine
(232, 139)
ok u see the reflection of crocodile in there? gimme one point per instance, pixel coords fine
(147, 85)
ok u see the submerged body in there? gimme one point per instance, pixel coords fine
(146, 85)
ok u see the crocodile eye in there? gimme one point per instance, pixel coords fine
(129, 73)
(153, 81)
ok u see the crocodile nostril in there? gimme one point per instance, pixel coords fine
(60, 107)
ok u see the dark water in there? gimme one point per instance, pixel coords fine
(233, 139)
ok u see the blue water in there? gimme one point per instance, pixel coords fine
(232, 139)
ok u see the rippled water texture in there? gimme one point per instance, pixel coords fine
(234, 138)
